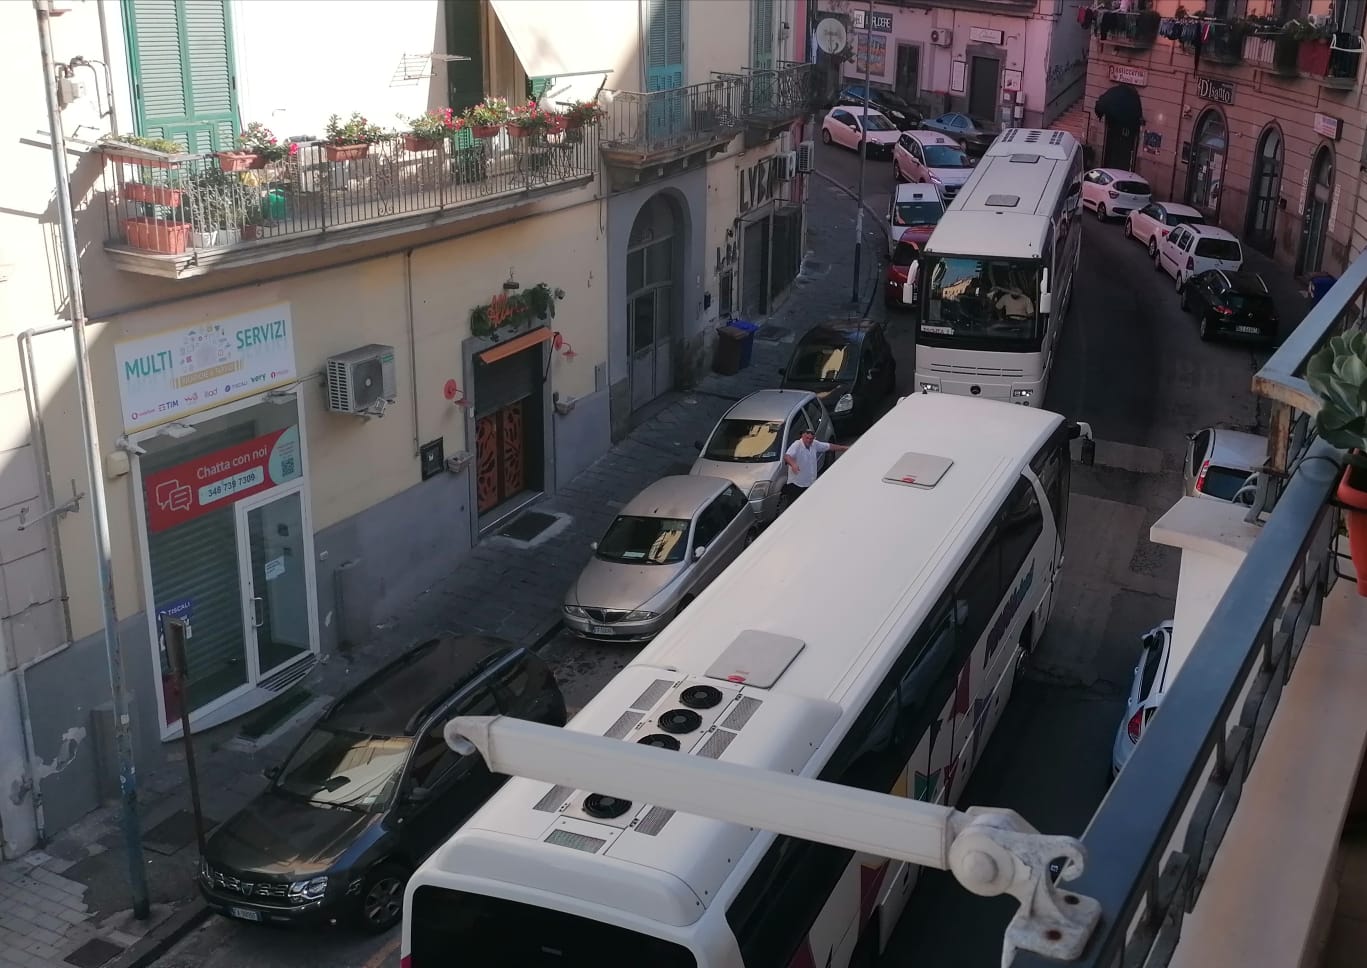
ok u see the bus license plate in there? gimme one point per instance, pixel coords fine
(245, 914)
(600, 630)
(1247, 329)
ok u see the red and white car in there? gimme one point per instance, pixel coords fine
(1151, 224)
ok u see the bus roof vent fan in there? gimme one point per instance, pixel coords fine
(679, 721)
(700, 697)
(663, 740)
(605, 807)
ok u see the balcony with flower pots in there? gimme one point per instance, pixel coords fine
(1300, 50)
(177, 215)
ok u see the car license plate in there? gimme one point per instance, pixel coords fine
(1247, 329)
(245, 914)
(600, 630)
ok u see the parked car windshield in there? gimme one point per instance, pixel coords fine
(982, 301)
(645, 541)
(1226, 250)
(917, 213)
(876, 122)
(1132, 187)
(824, 361)
(745, 441)
(339, 768)
(946, 156)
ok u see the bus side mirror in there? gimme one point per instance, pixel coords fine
(909, 287)
(1083, 430)
(1046, 303)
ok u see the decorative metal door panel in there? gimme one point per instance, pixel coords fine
(500, 456)
(511, 448)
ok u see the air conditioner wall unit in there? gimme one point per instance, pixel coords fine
(941, 37)
(806, 156)
(362, 380)
(789, 164)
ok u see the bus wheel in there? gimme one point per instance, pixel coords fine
(1026, 644)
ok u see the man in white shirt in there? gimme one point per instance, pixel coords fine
(803, 458)
(1015, 304)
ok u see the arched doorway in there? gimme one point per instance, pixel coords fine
(1265, 190)
(653, 253)
(1315, 228)
(1206, 170)
(1123, 111)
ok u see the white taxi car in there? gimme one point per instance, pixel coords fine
(1113, 192)
(934, 158)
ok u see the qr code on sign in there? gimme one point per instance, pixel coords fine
(287, 467)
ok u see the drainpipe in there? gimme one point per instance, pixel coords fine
(108, 72)
(412, 347)
(99, 514)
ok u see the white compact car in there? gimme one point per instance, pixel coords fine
(928, 156)
(1113, 192)
(1152, 223)
(851, 127)
(1146, 692)
(1220, 464)
(913, 213)
(1191, 249)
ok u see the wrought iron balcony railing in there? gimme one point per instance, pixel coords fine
(171, 212)
(1224, 44)
(779, 96)
(1151, 843)
(1137, 30)
(645, 127)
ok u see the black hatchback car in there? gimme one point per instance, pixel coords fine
(373, 788)
(894, 107)
(849, 365)
(1231, 304)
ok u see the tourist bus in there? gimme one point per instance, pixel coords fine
(869, 637)
(994, 282)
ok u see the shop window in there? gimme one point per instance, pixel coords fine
(1205, 176)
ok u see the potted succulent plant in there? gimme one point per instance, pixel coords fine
(528, 120)
(428, 131)
(1338, 374)
(132, 149)
(350, 139)
(487, 117)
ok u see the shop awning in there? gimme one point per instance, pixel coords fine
(571, 45)
(1122, 105)
(516, 345)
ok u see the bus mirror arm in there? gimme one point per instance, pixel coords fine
(1084, 430)
(989, 851)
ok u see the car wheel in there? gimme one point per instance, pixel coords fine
(1183, 301)
(1157, 261)
(861, 148)
(897, 172)
(382, 897)
(1178, 282)
(1101, 215)
(1153, 251)
(1205, 328)
(825, 136)
(1129, 232)
(750, 537)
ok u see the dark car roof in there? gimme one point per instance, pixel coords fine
(1247, 283)
(391, 700)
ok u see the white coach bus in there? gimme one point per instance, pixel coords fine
(995, 280)
(869, 637)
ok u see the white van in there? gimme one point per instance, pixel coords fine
(1191, 249)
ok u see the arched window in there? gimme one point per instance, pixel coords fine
(1206, 171)
(1317, 204)
(1264, 191)
(652, 252)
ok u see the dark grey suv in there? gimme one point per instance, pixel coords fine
(373, 788)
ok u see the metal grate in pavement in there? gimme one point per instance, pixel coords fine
(527, 525)
(94, 953)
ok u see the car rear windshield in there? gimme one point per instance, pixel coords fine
(905, 254)
(1132, 187)
(1178, 218)
(917, 213)
(1226, 250)
(449, 927)
(644, 541)
(946, 156)
(1248, 302)
(745, 441)
(1223, 482)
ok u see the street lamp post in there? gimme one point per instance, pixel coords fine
(863, 156)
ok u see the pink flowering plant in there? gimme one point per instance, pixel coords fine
(491, 112)
(435, 125)
(260, 140)
(531, 118)
(356, 130)
(583, 112)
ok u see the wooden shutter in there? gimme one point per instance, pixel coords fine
(762, 35)
(184, 82)
(664, 44)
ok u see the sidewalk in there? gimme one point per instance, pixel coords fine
(67, 904)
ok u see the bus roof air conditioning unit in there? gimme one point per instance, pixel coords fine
(941, 37)
(361, 381)
(806, 156)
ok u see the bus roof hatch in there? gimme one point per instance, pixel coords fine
(918, 470)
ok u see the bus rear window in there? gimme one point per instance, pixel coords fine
(450, 927)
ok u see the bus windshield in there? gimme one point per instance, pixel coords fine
(981, 303)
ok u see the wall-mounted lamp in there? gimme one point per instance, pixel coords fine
(454, 394)
(176, 430)
(512, 285)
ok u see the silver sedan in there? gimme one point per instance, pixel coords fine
(666, 546)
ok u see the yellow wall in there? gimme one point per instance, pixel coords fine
(353, 463)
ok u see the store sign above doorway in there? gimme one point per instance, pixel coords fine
(512, 310)
(1328, 126)
(1221, 92)
(167, 376)
(1136, 76)
(221, 478)
(985, 35)
(761, 183)
(880, 22)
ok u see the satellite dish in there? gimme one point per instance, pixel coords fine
(831, 36)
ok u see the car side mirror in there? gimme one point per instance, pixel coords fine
(699, 551)
(271, 773)
(697, 445)
(593, 545)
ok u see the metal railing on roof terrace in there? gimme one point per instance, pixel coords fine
(643, 124)
(1152, 841)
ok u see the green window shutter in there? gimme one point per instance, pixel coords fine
(664, 44)
(762, 35)
(184, 83)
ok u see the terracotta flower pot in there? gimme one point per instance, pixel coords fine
(240, 160)
(412, 142)
(1352, 494)
(559, 123)
(345, 152)
(1313, 57)
(250, 233)
(157, 235)
(485, 130)
(152, 194)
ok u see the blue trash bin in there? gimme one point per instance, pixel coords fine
(747, 348)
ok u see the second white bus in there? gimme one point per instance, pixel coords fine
(869, 637)
(995, 279)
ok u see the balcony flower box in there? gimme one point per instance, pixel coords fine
(517, 130)
(157, 235)
(144, 152)
(412, 142)
(345, 152)
(485, 130)
(240, 160)
(1313, 57)
(152, 194)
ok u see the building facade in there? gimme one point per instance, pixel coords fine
(1014, 63)
(320, 378)
(1253, 116)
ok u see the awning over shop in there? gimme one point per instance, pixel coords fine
(1122, 105)
(571, 45)
(516, 345)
